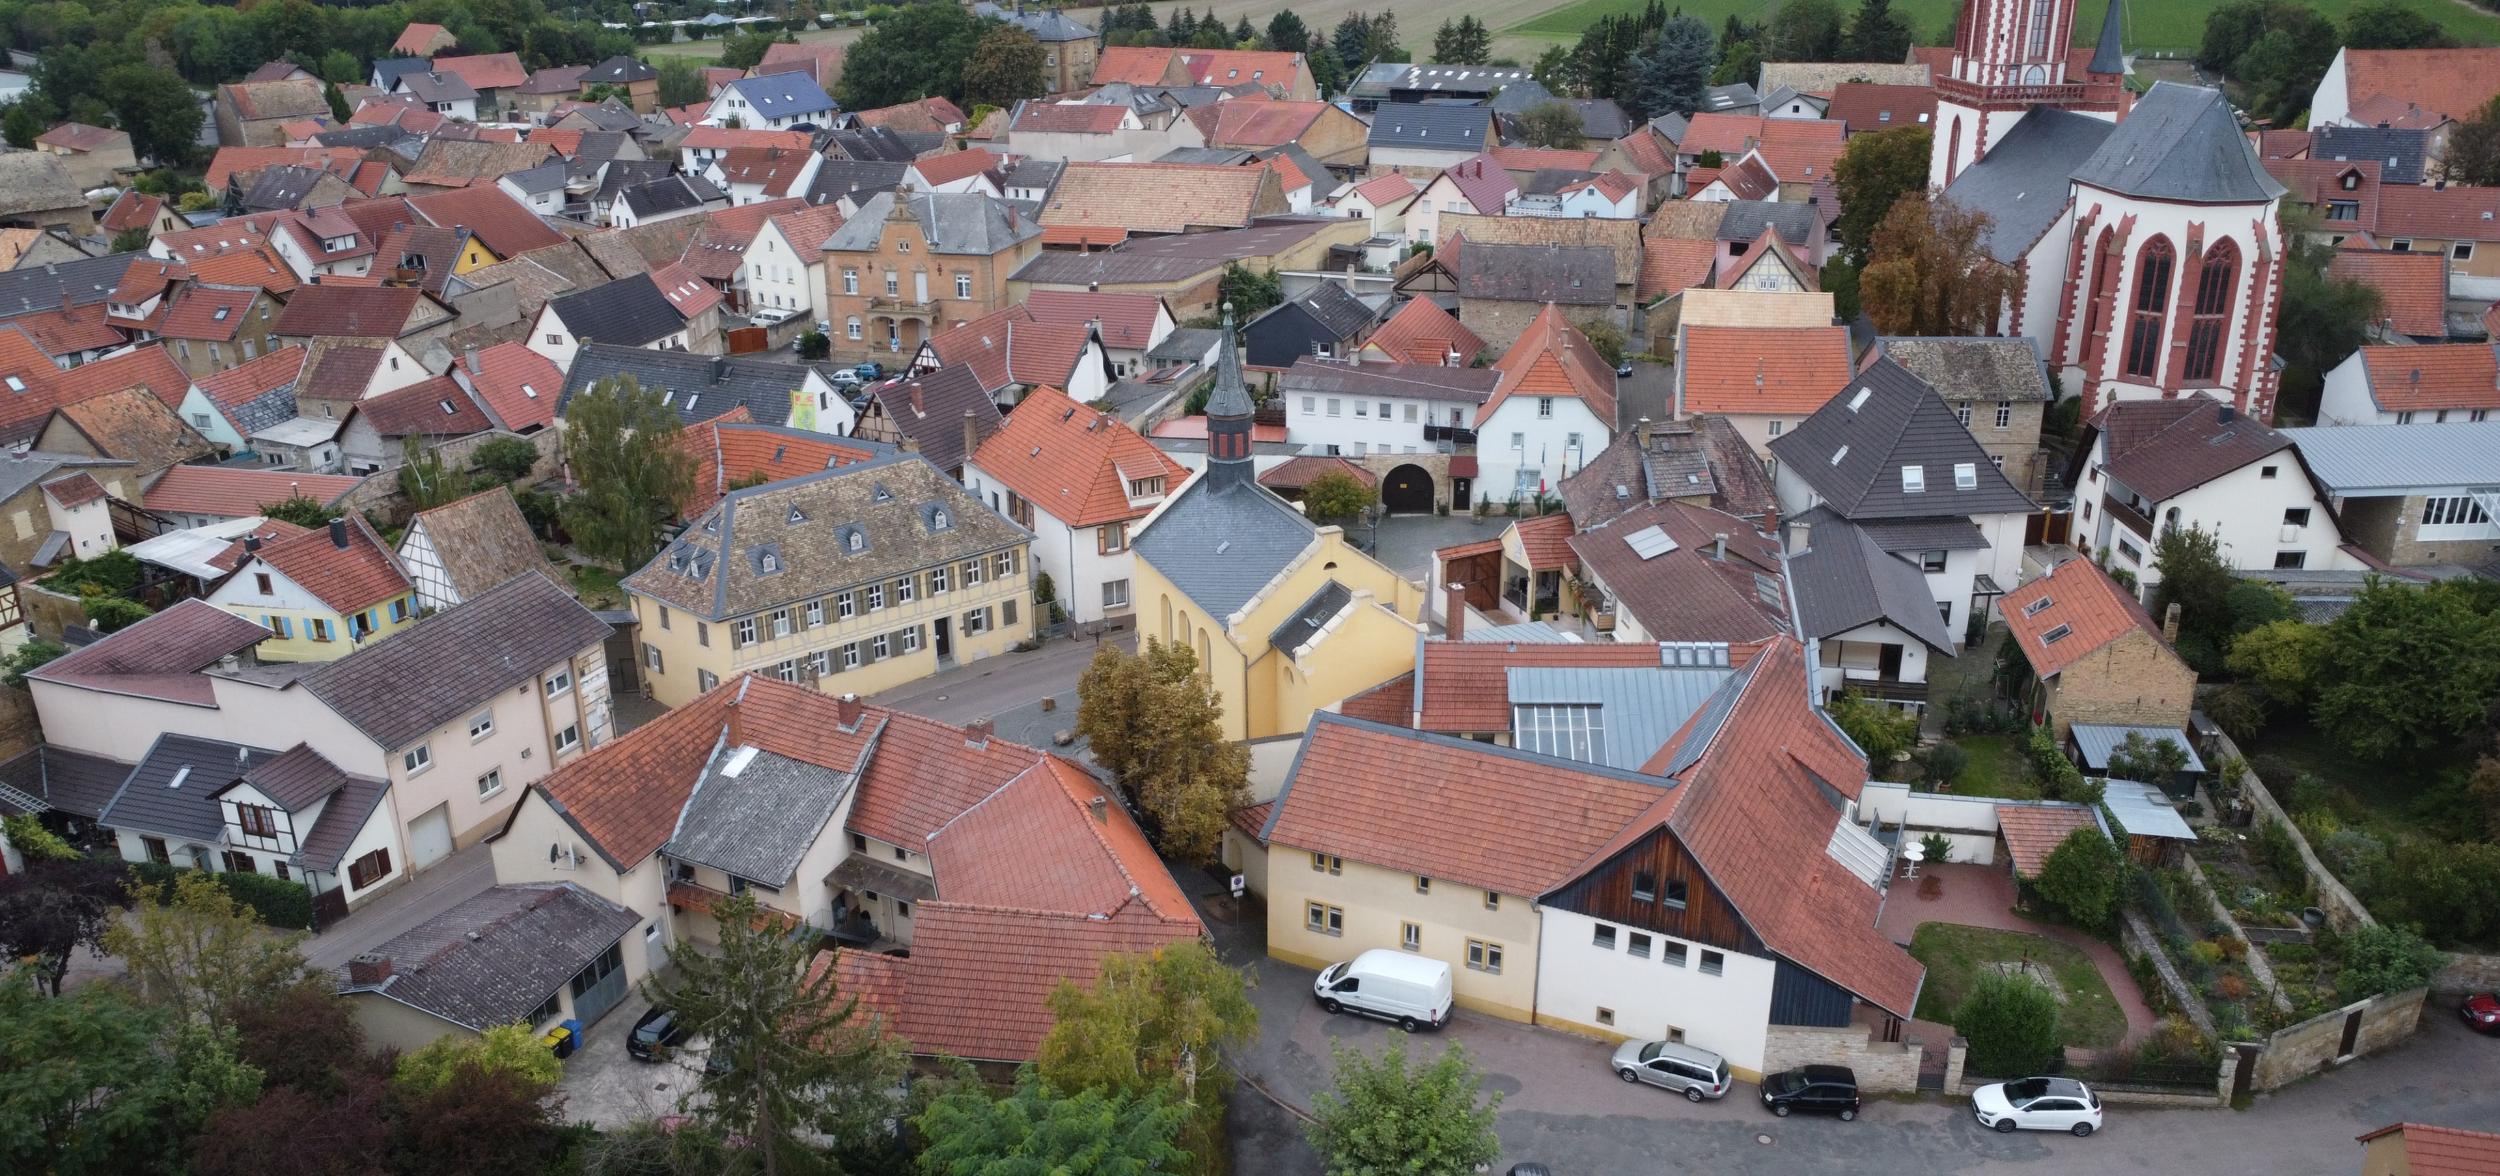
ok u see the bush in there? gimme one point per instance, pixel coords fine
(2380, 959)
(2081, 876)
(114, 573)
(2231, 986)
(278, 902)
(2238, 710)
(1937, 847)
(539, 509)
(2279, 853)
(111, 614)
(1880, 731)
(1945, 762)
(2011, 1022)
(505, 459)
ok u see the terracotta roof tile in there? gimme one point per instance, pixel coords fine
(1546, 540)
(1127, 320)
(203, 311)
(730, 450)
(1865, 107)
(2032, 831)
(66, 332)
(160, 656)
(1160, 197)
(2080, 605)
(485, 71)
(363, 575)
(2315, 182)
(1530, 159)
(772, 169)
(1070, 118)
(2451, 213)
(1074, 463)
(1466, 685)
(1300, 471)
(2451, 375)
(1384, 190)
(1137, 65)
(956, 165)
(1421, 332)
(75, 490)
(133, 209)
(519, 385)
(1645, 152)
(1689, 593)
(234, 493)
(366, 312)
(1672, 265)
(1783, 370)
(1263, 124)
(2444, 1151)
(237, 386)
(501, 223)
(136, 426)
(2454, 82)
(2412, 287)
(438, 407)
(1552, 358)
(979, 979)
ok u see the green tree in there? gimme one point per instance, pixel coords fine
(131, 240)
(1556, 70)
(2380, 959)
(502, 1047)
(100, 1083)
(301, 510)
(2390, 24)
(28, 658)
(1384, 1116)
(1928, 274)
(799, 1065)
(2407, 669)
(1384, 44)
(1464, 41)
(1337, 495)
(57, 905)
(1033, 1131)
(1882, 732)
(198, 951)
(1006, 68)
(1674, 75)
(2011, 1024)
(1606, 339)
(2276, 50)
(1874, 172)
(158, 111)
(1287, 34)
(1245, 34)
(745, 49)
(1249, 291)
(23, 123)
(1352, 39)
(422, 479)
(1328, 72)
(621, 442)
(489, 1122)
(112, 614)
(1212, 34)
(305, 1036)
(2081, 878)
(1550, 124)
(2280, 658)
(2194, 577)
(1877, 33)
(1805, 30)
(917, 52)
(681, 81)
(295, 1131)
(339, 110)
(2147, 761)
(2322, 318)
(505, 459)
(2473, 152)
(1151, 1021)
(1157, 727)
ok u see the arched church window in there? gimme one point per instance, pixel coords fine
(2152, 301)
(2036, 76)
(2215, 280)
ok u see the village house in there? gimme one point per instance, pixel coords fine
(771, 102)
(96, 156)
(321, 595)
(2402, 385)
(700, 387)
(1999, 388)
(731, 451)
(1080, 480)
(2142, 468)
(131, 425)
(255, 114)
(1067, 43)
(2414, 495)
(942, 414)
(1326, 321)
(203, 495)
(1407, 423)
(1763, 362)
(912, 264)
(213, 328)
(1420, 140)
(458, 551)
(1552, 410)
(2094, 655)
(374, 435)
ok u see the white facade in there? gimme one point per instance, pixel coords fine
(547, 203)
(1583, 203)
(88, 525)
(305, 266)
(550, 337)
(1653, 997)
(425, 567)
(731, 108)
(782, 275)
(1858, 654)
(2332, 104)
(1423, 213)
(1531, 443)
(1953, 575)
(2264, 516)
(2242, 374)
(742, 193)
(1091, 584)
(1357, 426)
(1386, 220)
(2347, 401)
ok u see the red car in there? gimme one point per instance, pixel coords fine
(2482, 1012)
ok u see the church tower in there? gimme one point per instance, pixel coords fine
(1229, 413)
(2010, 56)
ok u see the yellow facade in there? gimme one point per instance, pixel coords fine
(1374, 907)
(320, 634)
(1265, 691)
(474, 255)
(683, 655)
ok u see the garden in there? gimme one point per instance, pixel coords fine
(1958, 958)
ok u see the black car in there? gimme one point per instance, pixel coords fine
(655, 1036)
(1829, 1090)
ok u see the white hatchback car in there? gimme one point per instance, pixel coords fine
(2038, 1104)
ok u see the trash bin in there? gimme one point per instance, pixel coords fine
(560, 1041)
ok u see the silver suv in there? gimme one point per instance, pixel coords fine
(1697, 1073)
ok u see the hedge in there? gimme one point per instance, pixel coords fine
(280, 903)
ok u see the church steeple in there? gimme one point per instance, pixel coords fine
(2110, 57)
(1229, 409)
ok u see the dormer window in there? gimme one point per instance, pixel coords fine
(768, 562)
(1145, 487)
(1913, 479)
(937, 519)
(856, 542)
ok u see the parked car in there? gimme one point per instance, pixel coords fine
(1410, 990)
(1624, 368)
(2482, 1012)
(655, 1036)
(870, 370)
(1697, 1074)
(1826, 1090)
(2038, 1104)
(844, 378)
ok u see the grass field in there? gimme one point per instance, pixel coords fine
(707, 50)
(2087, 1015)
(2151, 27)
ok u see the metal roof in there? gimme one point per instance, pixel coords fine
(2097, 740)
(1431, 125)
(2145, 812)
(1613, 717)
(2363, 461)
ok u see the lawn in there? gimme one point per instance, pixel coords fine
(1999, 766)
(597, 587)
(2175, 25)
(707, 50)
(1955, 955)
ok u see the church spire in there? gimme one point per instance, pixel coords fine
(1229, 410)
(2111, 55)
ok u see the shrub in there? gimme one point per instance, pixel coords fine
(110, 614)
(2230, 986)
(2011, 1022)
(278, 902)
(114, 573)
(2206, 952)
(26, 832)
(2238, 710)
(2279, 853)
(511, 1047)
(1945, 762)
(2379, 959)
(2233, 947)
(1881, 731)
(1937, 847)
(2081, 877)
(505, 459)
(2311, 795)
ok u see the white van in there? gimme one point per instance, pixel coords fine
(1391, 985)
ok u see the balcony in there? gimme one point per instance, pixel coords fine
(1451, 435)
(2134, 519)
(896, 305)
(1883, 689)
(1955, 89)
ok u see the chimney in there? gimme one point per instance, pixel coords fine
(368, 970)
(2170, 623)
(1718, 546)
(977, 732)
(338, 534)
(1101, 806)
(1771, 521)
(2224, 414)
(972, 435)
(736, 733)
(848, 710)
(916, 410)
(1454, 623)
(1093, 287)
(251, 543)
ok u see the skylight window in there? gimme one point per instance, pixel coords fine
(1839, 453)
(1859, 401)
(1913, 479)
(1965, 475)
(2057, 634)
(2033, 609)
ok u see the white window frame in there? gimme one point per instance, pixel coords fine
(481, 725)
(490, 783)
(417, 759)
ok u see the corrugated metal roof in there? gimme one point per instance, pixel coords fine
(2145, 812)
(2097, 740)
(1638, 709)
(2372, 460)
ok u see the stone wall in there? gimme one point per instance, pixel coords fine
(2134, 680)
(380, 493)
(2343, 911)
(1957, 1086)
(2388, 526)
(1883, 1067)
(2298, 1051)
(2139, 938)
(2468, 973)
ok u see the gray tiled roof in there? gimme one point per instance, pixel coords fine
(2180, 143)
(2399, 151)
(1974, 368)
(1573, 275)
(1601, 118)
(974, 223)
(362, 138)
(2109, 54)
(1411, 380)
(658, 196)
(697, 387)
(1335, 309)
(72, 782)
(41, 287)
(1932, 534)
(858, 179)
(627, 173)
(1518, 96)
(1844, 579)
(546, 177)
(936, 429)
(492, 959)
(1222, 545)
(619, 70)
(873, 144)
(1315, 613)
(1746, 219)
(1430, 126)
(391, 69)
(1731, 97)
(2022, 183)
(784, 95)
(1059, 267)
(1854, 456)
(715, 568)
(341, 820)
(442, 667)
(629, 311)
(173, 790)
(754, 814)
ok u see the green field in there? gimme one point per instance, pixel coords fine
(2155, 26)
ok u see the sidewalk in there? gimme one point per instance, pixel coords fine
(450, 882)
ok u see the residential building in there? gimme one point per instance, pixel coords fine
(1411, 423)
(2359, 84)
(1128, 327)
(446, 94)
(213, 328)
(817, 59)
(1621, 237)
(1476, 185)
(203, 495)
(2404, 385)
(255, 114)
(1382, 200)
(629, 312)
(374, 314)
(1012, 352)
(2412, 288)
(375, 434)
(129, 425)
(855, 579)
(1889, 456)
(772, 102)
(234, 808)
(1998, 388)
(1419, 139)
(909, 265)
(517, 387)
(1067, 43)
(96, 156)
(1231, 571)
(2405, 1149)
(1282, 75)
(1420, 332)
(701, 387)
(2144, 468)
(1503, 288)
(2094, 655)
(1868, 611)
(495, 79)
(59, 507)
(639, 81)
(1765, 380)
(2415, 495)
(1326, 321)
(1156, 199)
(1661, 571)
(538, 955)
(785, 268)
(321, 595)
(1080, 481)
(226, 408)
(1553, 409)
(732, 451)
(456, 552)
(942, 414)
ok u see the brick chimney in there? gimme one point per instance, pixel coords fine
(916, 410)
(368, 970)
(1454, 603)
(736, 724)
(848, 710)
(977, 732)
(972, 436)
(2170, 623)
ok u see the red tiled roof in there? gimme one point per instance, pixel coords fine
(1243, 125)
(1645, 152)
(2454, 82)
(2453, 213)
(519, 385)
(258, 266)
(485, 71)
(770, 168)
(2444, 1151)
(979, 979)
(429, 408)
(1070, 118)
(2318, 181)
(567, 143)
(1421, 332)
(66, 332)
(925, 774)
(417, 38)
(1484, 182)
(1009, 347)
(1672, 265)
(927, 115)
(956, 165)
(987, 857)
(1863, 107)
(364, 575)
(2412, 287)
(1127, 320)
(240, 385)
(1300, 471)
(1552, 358)
(203, 311)
(2082, 600)
(149, 366)
(686, 290)
(1530, 159)
(730, 449)
(1233, 67)
(75, 491)
(1083, 235)
(78, 136)
(2282, 144)
(133, 209)
(2032, 831)
(501, 223)
(234, 493)
(1383, 190)
(1799, 150)
(1467, 683)
(726, 138)
(1072, 462)
(160, 656)
(2387, 110)
(1137, 65)
(2448, 375)
(626, 796)
(1786, 370)
(1546, 540)
(1749, 179)
(366, 312)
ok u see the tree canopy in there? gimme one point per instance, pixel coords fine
(621, 442)
(198, 952)
(1337, 495)
(1928, 274)
(1386, 1116)
(1550, 124)
(1464, 41)
(2081, 877)
(917, 51)
(1874, 172)
(2408, 668)
(1674, 75)
(1157, 727)
(1034, 1132)
(2011, 1023)
(1006, 67)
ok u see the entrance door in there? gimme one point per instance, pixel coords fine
(1460, 490)
(945, 637)
(2352, 1035)
(429, 839)
(1888, 662)
(1407, 490)
(655, 947)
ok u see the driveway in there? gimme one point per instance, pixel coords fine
(1406, 542)
(1563, 1108)
(450, 882)
(606, 1088)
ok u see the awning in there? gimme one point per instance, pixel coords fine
(2145, 811)
(861, 872)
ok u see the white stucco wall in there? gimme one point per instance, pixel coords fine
(1727, 1014)
(1544, 451)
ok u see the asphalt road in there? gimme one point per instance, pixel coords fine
(1012, 689)
(441, 887)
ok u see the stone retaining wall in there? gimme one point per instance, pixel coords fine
(2298, 1051)
(1883, 1067)
(380, 493)
(2120, 1093)
(2139, 937)
(2343, 911)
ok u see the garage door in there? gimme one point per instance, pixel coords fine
(429, 840)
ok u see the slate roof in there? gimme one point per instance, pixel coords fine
(324, 847)
(2179, 143)
(697, 387)
(84, 282)
(2022, 184)
(173, 789)
(1577, 275)
(294, 778)
(67, 781)
(1222, 544)
(1430, 126)
(973, 223)
(1332, 308)
(1747, 220)
(1420, 381)
(435, 671)
(1853, 456)
(656, 197)
(929, 409)
(619, 70)
(2080, 598)
(495, 957)
(754, 815)
(482, 541)
(1689, 593)
(1973, 368)
(784, 95)
(2400, 152)
(1845, 579)
(718, 567)
(858, 179)
(628, 311)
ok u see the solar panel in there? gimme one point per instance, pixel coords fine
(1650, 542)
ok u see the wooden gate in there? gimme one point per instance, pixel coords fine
(328, 907)
(747, 340)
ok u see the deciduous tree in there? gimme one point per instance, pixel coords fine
(1928, 273)
(2011, 1024)
(2390, 24)
(1151, 1021)
(1337, 495)
(2194, 577)
(917, 51)
(2080, 877)
(101, 1084)
(159, 112)
(1805, 30)
(198, 952)
(1874, 172)
(493, 1121)
(1384, 1116)
(2408, 669)
(1158, 727)
(52, 910)
(1090, 1133)
(502, 1048)
(293, 1130)
(2280, 658)
(1006, 68)
(621, 442)
(745, 49)
(1550, 124)
(423, 480)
